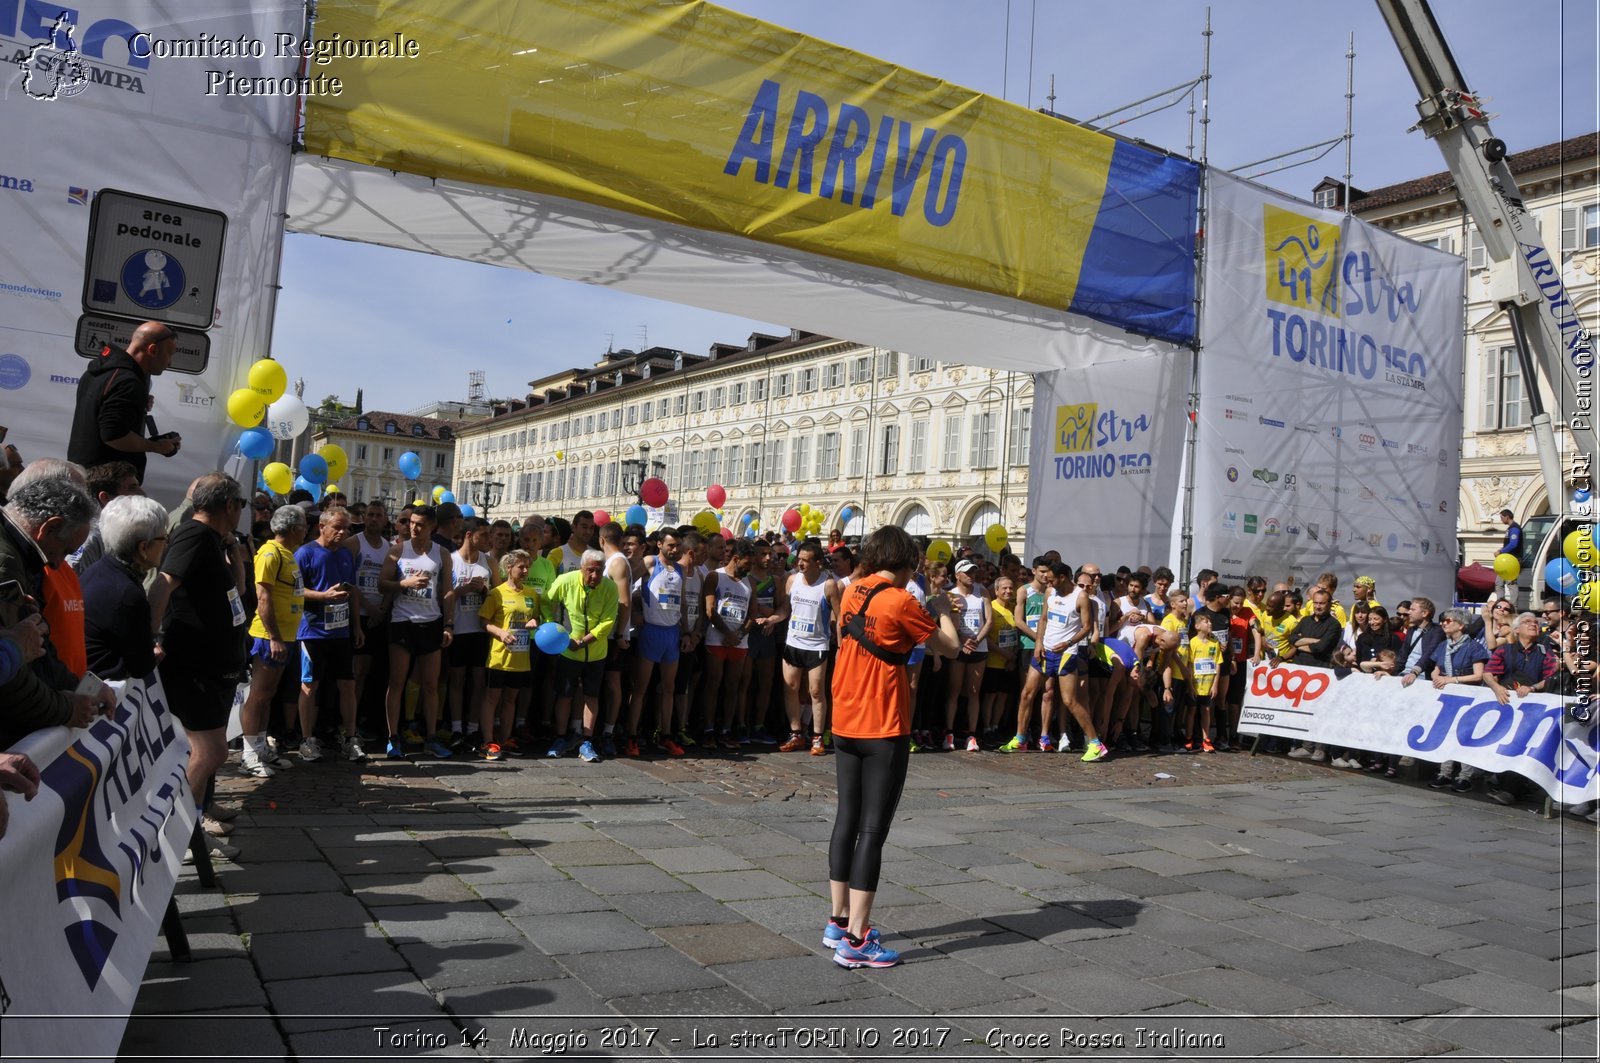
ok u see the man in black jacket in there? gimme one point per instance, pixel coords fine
(114, 398)
(1423, 640)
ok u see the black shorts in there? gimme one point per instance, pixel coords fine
(574, 676)
(502, 680)
(690, 665)
(763, 647)
(330, 659)
(1237, 683)
(375, 637)
(417, 639)
(469, 649)
(1000, 680)
(805, 660)
(201, 703)
(980, 657)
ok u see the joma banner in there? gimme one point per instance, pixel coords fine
(1533, 736)
(86, 870)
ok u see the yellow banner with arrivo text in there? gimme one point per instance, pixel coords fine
(692, 114)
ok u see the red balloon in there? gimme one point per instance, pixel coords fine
(654, 492)
(792, 519)
(716, 495)
(601, 518)
(727, 533)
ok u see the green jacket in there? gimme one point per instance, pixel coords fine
(582, 611)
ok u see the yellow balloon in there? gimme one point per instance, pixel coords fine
(1580, 549)
(805, 509)
(438, 493)
(268, 380)
(279, 477)
(705, 522)
(1589, 596)
(561, 455)
(338, 461)
(418, 502)
(331, 489)
(246, 408)
(1507, 567)
(940, 551)
(995, 537)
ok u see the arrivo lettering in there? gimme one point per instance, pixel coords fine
(1294, 685)
(822, 148)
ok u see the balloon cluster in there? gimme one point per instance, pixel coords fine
(804, 521)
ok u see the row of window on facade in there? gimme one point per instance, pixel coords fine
(392, 427)
(804, 381)
(751, 464)
(441, 460)
(1580, 231)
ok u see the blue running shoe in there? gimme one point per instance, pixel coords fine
(870, 954)
(393, 751)
(557, 749)
(435, 748)
(587, 754)
(833, 934)
(608, 746)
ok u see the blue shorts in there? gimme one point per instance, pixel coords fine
(1059, 663)
(658, 643)
(918, 654)
(261, 650)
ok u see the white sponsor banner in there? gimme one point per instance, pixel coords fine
(1107, 450)
(1533, 736)
(124, 118)
(86, 870)
(1330, 398)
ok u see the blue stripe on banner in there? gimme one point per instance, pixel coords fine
(1139, 268)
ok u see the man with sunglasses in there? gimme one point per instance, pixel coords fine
(114, 399)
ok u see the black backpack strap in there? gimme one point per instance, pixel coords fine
(856, 628)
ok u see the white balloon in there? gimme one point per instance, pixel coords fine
(287, 417)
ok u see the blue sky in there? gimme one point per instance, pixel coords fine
(1278, 82)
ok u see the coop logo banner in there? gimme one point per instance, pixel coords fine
(1302, 260)
(1095, 444)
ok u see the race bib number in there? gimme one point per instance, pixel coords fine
(235, 607)
(803, 620)
(471, 603)
(1236, 646)
(336, 617)
(671, 603)
(519, 639)
(1008, 638)
(972, 619)
(732, 610)
(1058, 617)
(423, 593)
(1205, 666)
(367, 580)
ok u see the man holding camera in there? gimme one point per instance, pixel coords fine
(114, 402)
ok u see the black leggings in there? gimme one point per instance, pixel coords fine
(872, 772)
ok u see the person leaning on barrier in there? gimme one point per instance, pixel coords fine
(1459, 659)
(120, 640)
(43, 521)
(1422, 641)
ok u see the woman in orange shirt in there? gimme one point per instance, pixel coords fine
(880, 623)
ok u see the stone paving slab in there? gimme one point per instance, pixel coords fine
(1277, 900)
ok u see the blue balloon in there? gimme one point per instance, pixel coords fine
(449, 496)
(314, 467)
(1582, 495)
(636, 515)
(468, 511)
(551, 638)
(302, 484)
(1561, 577)
(410, 465)
(256, 443)
(845, 514)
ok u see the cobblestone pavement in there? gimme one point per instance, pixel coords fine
(1045, 907)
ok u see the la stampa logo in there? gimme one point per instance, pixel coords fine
(52, 69)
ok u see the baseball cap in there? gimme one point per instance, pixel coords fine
(966, 566)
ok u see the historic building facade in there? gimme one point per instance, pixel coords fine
(940, 449)
(1560, 183)
(373, 442)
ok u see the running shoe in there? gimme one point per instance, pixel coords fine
(511, 747)
(1096, 750)
(827, 739)
(1299, 752)
(608, 746)
(1046, 745)
(869, 954)
(949, 743)
(669, 745)
(492, 751)
(914, 747)
(352, 750)
(587, 753)
(252, 763)
(310, 749)
(1064, 743)
(630, 746)
(437, 749)
(760, 737)
(743, 735)
(1017, 744)
(729, 740)
(685, 739)
(833, 934)
(794, 743)
(557, 749)
(972, 744)
(216, 828)
(1205, 744)
(452, 738)
(816, 746)
(411, 736)
(393, 750)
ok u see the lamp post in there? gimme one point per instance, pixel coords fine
(485, 494)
